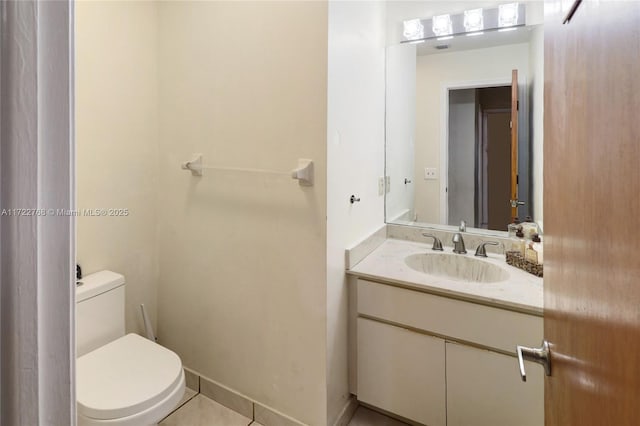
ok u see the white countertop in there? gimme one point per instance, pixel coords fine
(521, 291)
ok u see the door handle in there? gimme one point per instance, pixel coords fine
(541, 356)
(516, 203)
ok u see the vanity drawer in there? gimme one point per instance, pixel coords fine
(470, 322)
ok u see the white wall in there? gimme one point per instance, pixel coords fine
(117, 145)
(242, 285)
(536, 62)
(355, 157)
(400, 130)
(461, 155)
(434, 72)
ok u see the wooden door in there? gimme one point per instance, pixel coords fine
(497, 137)
(592, 213)
(514, 142)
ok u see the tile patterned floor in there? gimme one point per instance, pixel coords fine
(198, 410)
(202, 411)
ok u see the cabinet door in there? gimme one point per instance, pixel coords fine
(484, 388)
(402, 372)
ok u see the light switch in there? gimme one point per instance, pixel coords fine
(381, 186)
(430, 173)
(387, 183)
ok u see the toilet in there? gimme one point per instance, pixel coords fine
(122, 380)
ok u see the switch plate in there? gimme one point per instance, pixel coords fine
(387, 184)
(430, 173)
(381, 186)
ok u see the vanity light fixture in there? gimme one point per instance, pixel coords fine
(444, 38)
(473, 20)
(442, 25)
(475, 34)
(413, 29)
(507, 15)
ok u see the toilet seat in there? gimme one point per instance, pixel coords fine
(126, 377)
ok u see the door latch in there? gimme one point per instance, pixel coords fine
(541, 356)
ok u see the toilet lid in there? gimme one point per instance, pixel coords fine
(125, 377)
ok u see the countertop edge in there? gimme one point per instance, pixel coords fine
(451, 294)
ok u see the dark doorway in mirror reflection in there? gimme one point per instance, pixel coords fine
(479, 151)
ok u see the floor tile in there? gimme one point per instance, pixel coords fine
(201, 411)
(255, 424)
(366, 417)
(188, 394)
(225, 397)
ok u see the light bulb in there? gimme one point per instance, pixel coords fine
(442, 25)
(473, 20)
(413, 29)
(508, 15)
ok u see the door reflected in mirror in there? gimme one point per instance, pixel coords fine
(464, 131)
(479, 169)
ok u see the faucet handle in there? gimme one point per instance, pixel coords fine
(463, 226)
(437, 244)
(481, 251)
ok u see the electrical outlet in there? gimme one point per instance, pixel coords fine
(387, 184)
(381, 186)
(430, 173)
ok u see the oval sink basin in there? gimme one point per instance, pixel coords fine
(456, 267)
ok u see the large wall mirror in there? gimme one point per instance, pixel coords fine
(464, 123)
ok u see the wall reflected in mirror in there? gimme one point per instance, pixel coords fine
(448, 129)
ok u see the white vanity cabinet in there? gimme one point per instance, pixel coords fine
(437, 361)
(402, 371)
(484, 389)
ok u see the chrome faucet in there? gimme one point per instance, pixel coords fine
(458, 244)
(437, 244)
(481, 251)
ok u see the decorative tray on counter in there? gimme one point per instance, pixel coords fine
(515, 258)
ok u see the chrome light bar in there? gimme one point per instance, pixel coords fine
(471, 22)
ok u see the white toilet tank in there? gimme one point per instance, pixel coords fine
(99, 310)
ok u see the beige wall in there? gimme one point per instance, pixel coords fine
(242, 286)
(434, 72)
(117, 144)
(238, 261)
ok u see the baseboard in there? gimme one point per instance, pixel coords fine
(238, 402)
(347, 412)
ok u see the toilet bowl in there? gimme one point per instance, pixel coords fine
(123, 380)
